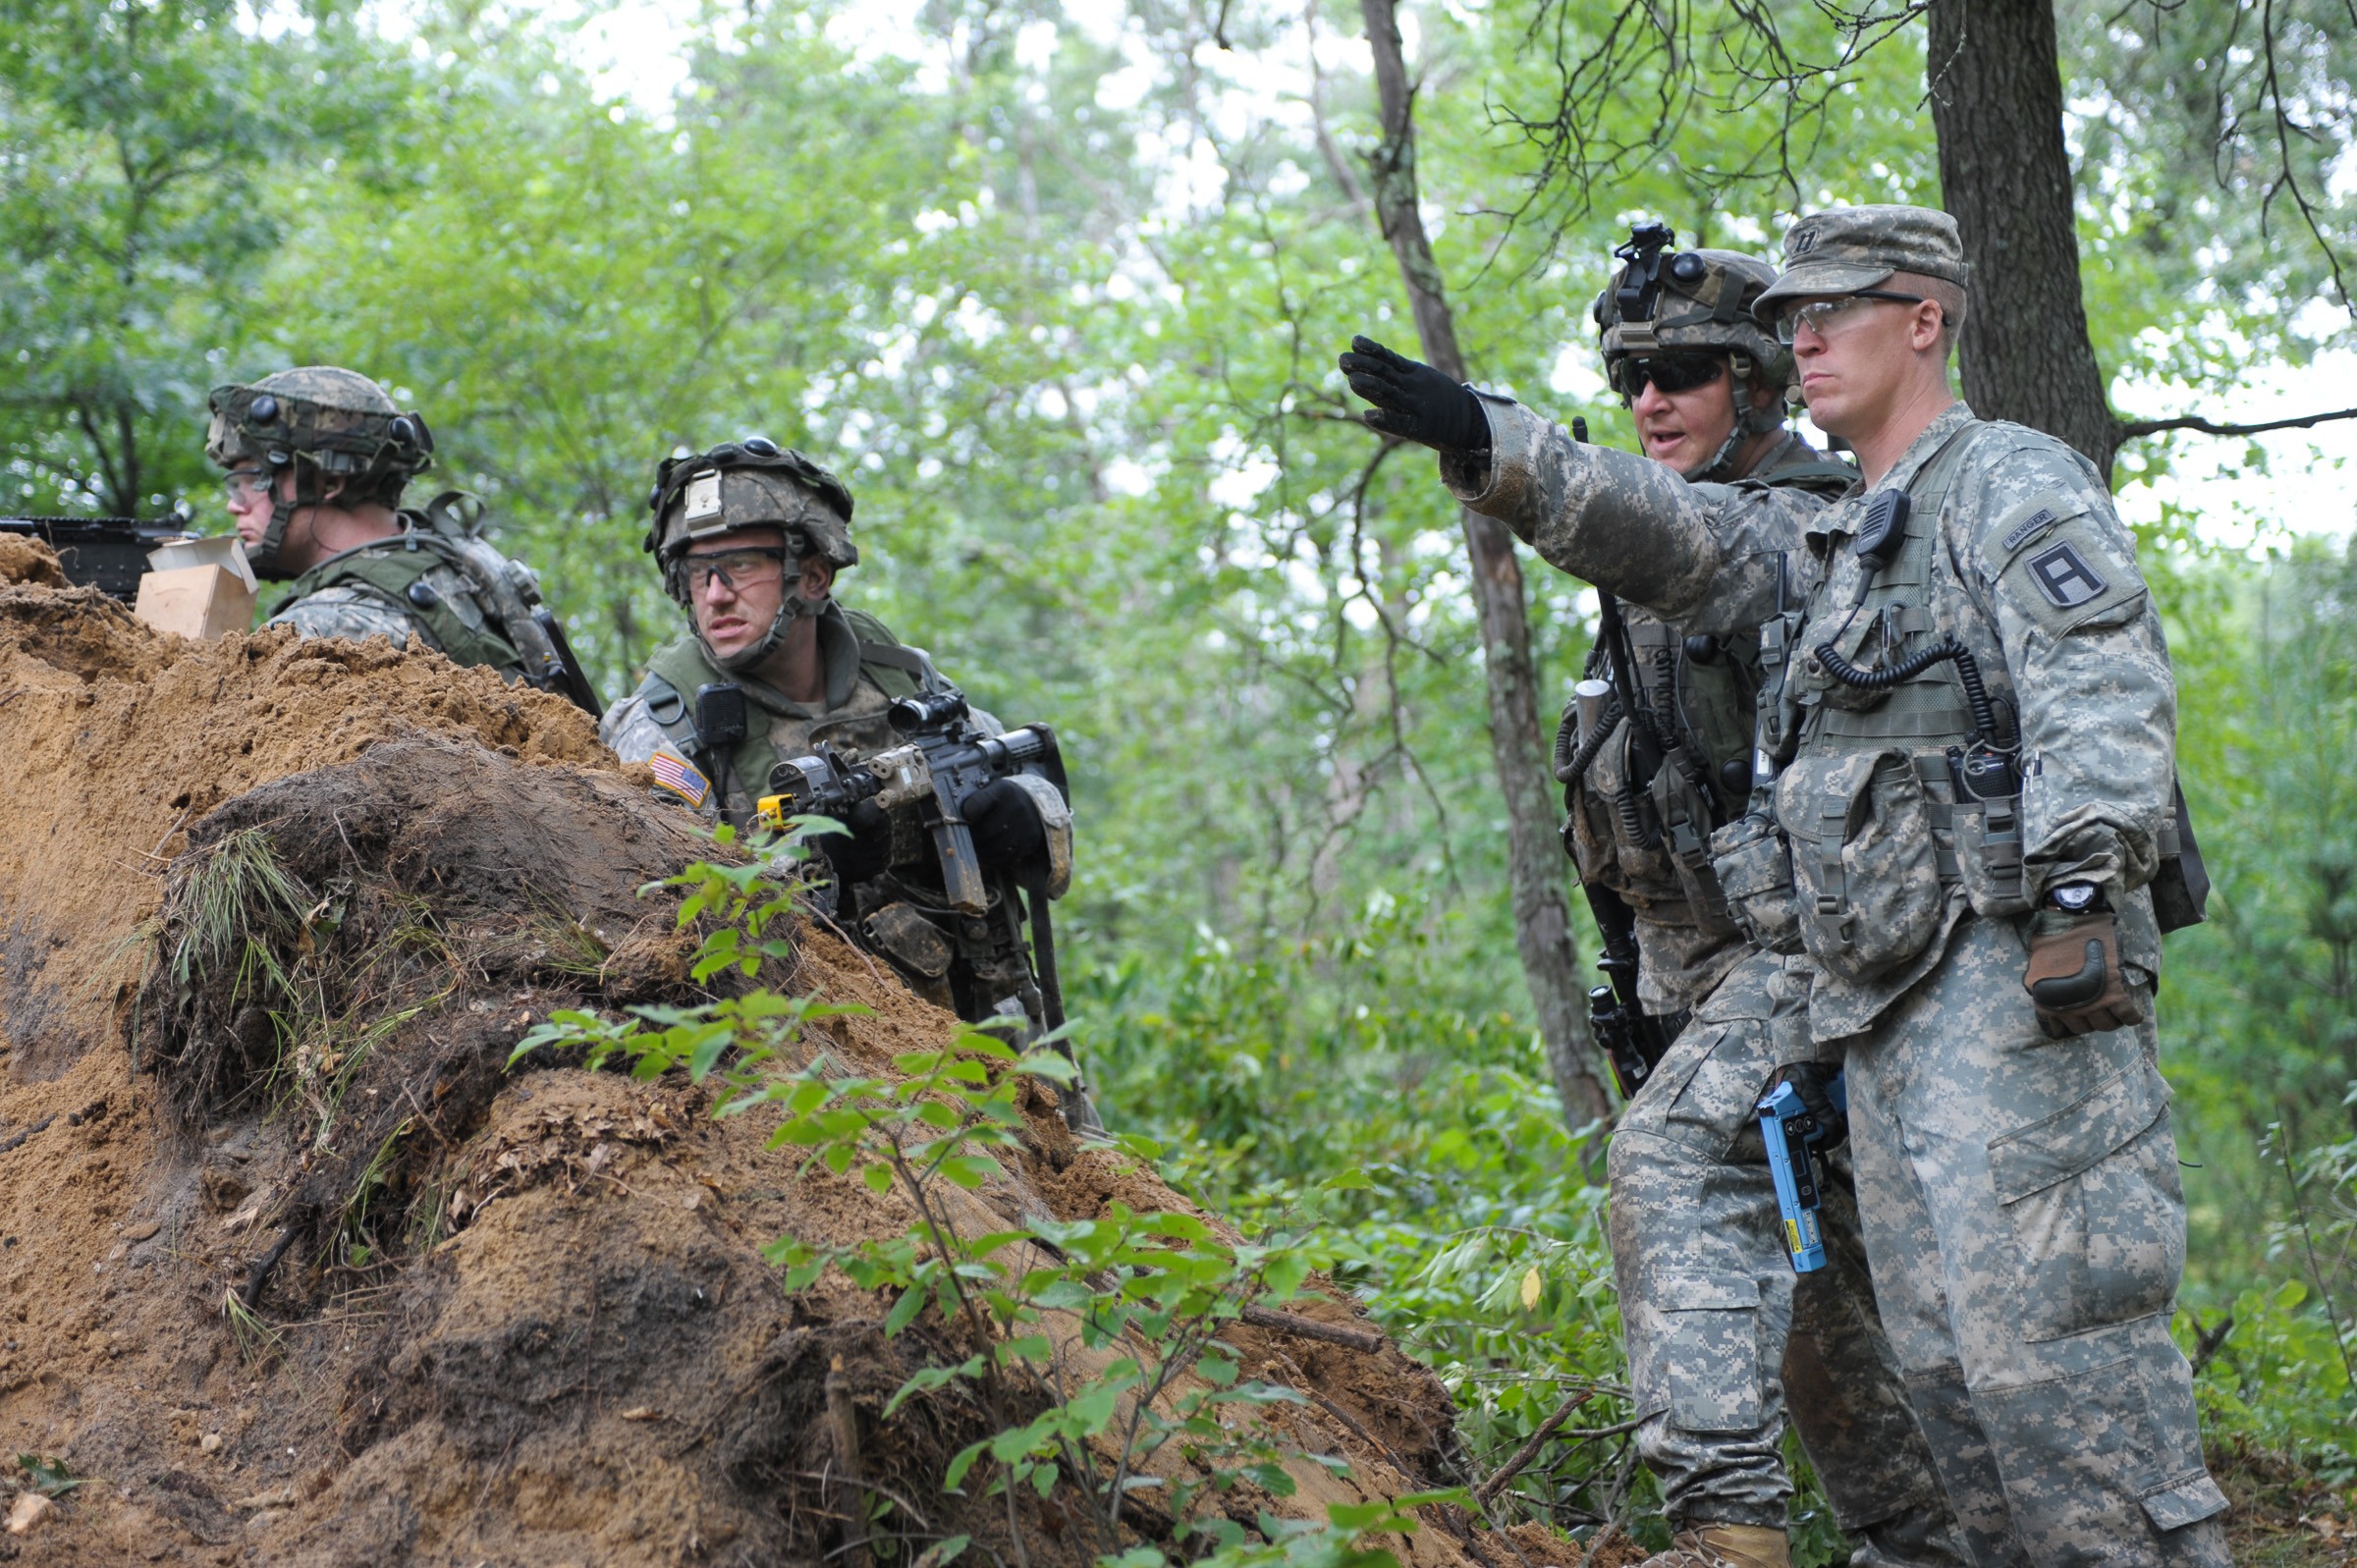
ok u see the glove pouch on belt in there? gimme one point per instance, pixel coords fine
(1755, 873)
(1866, 867)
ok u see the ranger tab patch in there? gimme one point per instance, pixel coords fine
(2021, 531)
(680, 777)
(2064, 576)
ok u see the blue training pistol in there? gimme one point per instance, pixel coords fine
(1792, 1133)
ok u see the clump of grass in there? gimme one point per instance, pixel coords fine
(224, 906)
(233, 916)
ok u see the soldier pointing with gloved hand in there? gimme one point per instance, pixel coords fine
(1723, 1338)
(1964, 814)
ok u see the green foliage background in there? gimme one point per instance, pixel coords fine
(1059, 298)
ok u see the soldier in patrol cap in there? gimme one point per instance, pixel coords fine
(1964, 815)
(1721, 1338)
(750, 536)
(317, 461)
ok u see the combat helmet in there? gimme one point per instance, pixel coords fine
(752, 483)
(1694, 301)
(331, 426)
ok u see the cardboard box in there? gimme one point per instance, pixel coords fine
(198, 589)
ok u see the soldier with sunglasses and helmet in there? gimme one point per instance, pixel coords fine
(1723, 1338)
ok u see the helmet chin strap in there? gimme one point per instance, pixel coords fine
(791, 608)
(1749, 421)
(263, 557)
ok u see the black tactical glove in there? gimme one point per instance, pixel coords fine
(1413, 400)
(866, 852)
(1006, 824)
(2074, 979)
(1808, 1080)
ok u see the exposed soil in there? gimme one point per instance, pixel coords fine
(497, 1316)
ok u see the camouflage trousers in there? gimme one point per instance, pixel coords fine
(2027, 1231)
(1723, 1338)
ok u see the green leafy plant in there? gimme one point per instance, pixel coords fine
(50, 1476)
(1093, 1346)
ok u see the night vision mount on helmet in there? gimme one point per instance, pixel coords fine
(1663, 304)
(346, 440)
(739, 485)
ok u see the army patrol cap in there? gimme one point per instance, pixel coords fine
(1844, 249)
(752, 483)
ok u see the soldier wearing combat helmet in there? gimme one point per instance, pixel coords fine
(317, 461)
(1693, 1204)
(750, 537)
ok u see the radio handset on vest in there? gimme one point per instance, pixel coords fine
(720, 727)
(1881, 535)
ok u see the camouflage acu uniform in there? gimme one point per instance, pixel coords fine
(2019, 1194)
(866, 667)
(1722, 1340)
(395, 588)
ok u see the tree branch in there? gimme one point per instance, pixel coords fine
(1529, 1451)
(2130, 429)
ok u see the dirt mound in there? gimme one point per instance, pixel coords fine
(23, 559)
(303, 1274)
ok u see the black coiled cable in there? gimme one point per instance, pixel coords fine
(1570, 765)
(1968, 675)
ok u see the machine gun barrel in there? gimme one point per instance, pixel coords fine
(109, 554)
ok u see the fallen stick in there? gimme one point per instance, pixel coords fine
(1529, 1451)
(249, 1294)
(1301, 1328)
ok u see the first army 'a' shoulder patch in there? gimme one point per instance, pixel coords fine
(2065, 579)
(2060, 566)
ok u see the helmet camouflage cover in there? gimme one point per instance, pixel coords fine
(340, 423)
(345, 439)
(754, 483)
(1700, 302)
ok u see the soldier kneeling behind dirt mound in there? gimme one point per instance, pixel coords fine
(316, 460)
(750, 536)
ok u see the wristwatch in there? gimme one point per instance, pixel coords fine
(2074, 897)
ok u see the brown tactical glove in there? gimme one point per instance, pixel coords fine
(2074, 978)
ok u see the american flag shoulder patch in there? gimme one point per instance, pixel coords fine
(678, 775)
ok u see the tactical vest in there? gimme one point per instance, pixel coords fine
(1869, 812)
(426, 580)
(679, 668)
(1651, 843)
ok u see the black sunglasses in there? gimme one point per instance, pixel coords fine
(1670, 372)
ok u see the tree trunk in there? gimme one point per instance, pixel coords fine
(1535, 857)
(1997, 104)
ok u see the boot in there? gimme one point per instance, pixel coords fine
(1724, 1547)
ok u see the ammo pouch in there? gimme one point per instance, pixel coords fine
(1988, 847)
(1684, 813)
(1866, 868)
(1754, 868)
(1611, 819)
